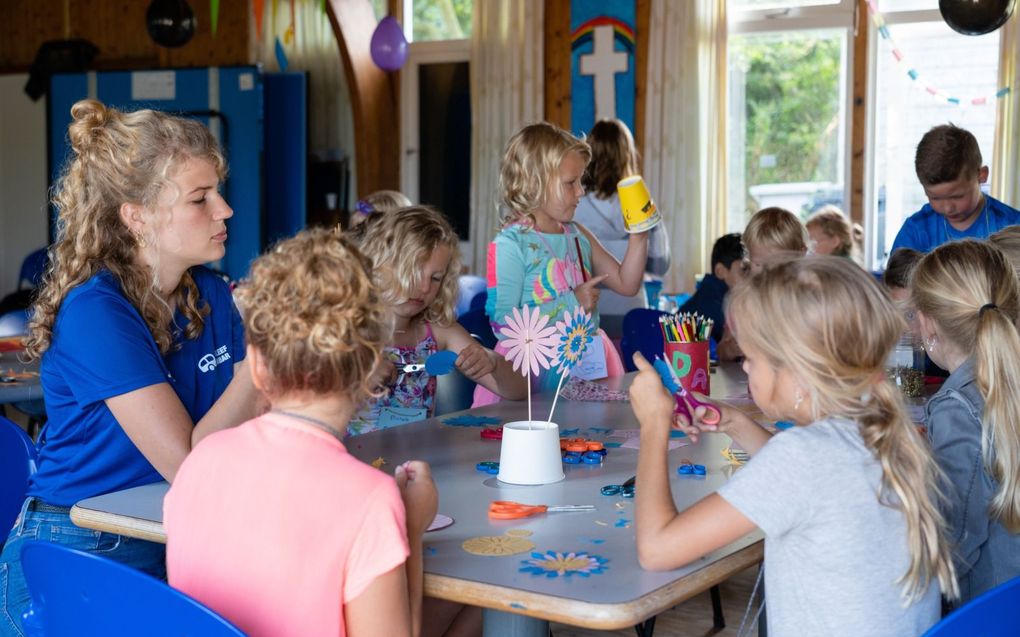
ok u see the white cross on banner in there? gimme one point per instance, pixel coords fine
(604, 63)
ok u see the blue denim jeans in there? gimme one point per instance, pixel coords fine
(52, 526)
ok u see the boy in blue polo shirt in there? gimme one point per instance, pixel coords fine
(948, 164)
(728, 268)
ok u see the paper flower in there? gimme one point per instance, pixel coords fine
(468, 420)
(553, 564)
(575, 332)
(529, 340)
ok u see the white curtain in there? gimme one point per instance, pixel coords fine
(313, 49)
(1005, 161)
(506, 91)
(685, 129)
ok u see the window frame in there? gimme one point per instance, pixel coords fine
(420, 53)
(845, 15)
(869, 181)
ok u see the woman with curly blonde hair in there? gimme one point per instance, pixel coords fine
(415, 262)
(139, 343)
(316, 326)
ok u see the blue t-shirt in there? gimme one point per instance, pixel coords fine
(708, 301)
(101, 348)
(926, 229)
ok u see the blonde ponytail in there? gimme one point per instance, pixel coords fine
(997, 370)
(887, 429)
(969, 289)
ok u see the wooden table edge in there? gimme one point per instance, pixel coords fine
(588, 614)
(136, 528)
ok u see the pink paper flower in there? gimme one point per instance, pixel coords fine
(531, 342)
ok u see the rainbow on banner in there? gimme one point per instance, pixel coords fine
(897, 53)
(622, 32)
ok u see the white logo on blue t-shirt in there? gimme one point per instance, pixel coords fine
(209, 362)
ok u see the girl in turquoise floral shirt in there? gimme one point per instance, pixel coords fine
(541, 257)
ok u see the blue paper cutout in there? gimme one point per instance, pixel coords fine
(677, 434)
(612, 445)
(440, 363)
(554, 564)
(570, 432)
(468, 420)
(622, 523)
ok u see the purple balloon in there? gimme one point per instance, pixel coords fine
(389, 47)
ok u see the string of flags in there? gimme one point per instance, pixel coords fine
(883, 30)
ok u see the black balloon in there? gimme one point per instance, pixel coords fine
(976, 17)
(171, 22)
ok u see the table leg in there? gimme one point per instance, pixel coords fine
(496, 623)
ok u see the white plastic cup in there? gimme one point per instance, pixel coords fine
(530, 453)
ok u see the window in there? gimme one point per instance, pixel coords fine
(963, 67)
(437, 20)
(787, 138)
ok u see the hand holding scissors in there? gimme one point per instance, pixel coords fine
(686, 403)
(507, 510)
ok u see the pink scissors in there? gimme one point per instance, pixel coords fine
(685, 402)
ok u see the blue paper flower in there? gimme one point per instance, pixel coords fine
(471, 421)
(554, 564)
(575, 332)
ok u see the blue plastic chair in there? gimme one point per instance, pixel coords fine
(995, 613)
(477, 324)
(17, 462)
(470, 285)
(641, 333)
(77, 593)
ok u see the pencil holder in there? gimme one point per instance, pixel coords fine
(690, 363)
(639, 211)
(530, 453)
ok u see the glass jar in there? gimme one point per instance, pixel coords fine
(905, 365)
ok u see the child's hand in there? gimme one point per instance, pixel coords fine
(588, 294)
(652, 403)
(421, 500)
(475, 361)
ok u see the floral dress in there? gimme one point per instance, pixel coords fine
(411, 392)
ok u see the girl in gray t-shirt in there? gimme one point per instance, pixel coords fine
(853, 539)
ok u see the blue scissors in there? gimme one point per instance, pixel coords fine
(685, 402)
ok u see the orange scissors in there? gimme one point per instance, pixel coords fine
(507, 510)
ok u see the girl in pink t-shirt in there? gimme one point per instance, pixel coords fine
(272, 523)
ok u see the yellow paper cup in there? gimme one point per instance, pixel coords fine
(639, 211)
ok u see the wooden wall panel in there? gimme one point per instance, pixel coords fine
(118, 28)
(373, 98)
(643, 13)
(556, 50)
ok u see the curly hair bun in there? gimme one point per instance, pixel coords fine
(312, 311)
(88, 116)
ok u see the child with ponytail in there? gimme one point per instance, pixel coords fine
(967, 301)
(853, 537)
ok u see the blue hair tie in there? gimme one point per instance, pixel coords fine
(364, 207)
